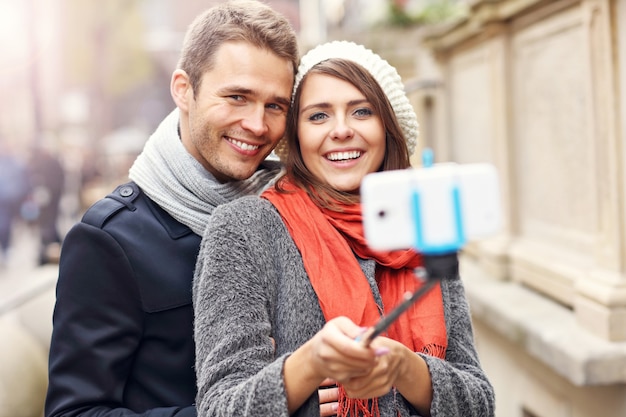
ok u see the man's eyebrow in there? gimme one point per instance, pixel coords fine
(283, 100)
(235, 89)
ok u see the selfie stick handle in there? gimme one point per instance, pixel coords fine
(436, 268)
(386, 321)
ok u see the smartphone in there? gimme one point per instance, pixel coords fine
(434, 210)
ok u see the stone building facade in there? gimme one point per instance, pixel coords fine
(538, 89)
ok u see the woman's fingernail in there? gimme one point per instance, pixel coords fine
(381, 351)
(335, 406)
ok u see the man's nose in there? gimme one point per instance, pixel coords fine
(255, 121)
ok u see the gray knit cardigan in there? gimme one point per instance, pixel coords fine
(251, 287)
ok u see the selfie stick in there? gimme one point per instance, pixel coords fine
(436, 268)
(409, 299)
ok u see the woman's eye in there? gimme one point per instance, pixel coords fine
(317, 117)
(363, 112)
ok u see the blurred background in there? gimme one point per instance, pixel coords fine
(90, 80)
(535, 87)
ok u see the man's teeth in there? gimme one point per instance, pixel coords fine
(242, 145)
(340, 156)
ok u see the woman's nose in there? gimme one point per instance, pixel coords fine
(341, 130)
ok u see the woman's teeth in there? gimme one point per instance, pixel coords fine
(341, 156)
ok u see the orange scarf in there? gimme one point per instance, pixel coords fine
(328, 241)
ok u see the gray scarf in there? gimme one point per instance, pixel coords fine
(172, 178)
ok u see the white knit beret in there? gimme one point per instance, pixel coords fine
(386, 75)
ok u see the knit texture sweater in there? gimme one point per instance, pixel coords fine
(250, 287)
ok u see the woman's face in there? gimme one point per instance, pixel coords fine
(341, 137)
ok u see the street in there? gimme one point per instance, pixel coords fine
(21, 279)
(26, 304)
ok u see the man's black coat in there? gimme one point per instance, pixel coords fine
(122, 339)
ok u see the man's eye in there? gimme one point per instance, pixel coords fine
(277, 107)
(236, 97)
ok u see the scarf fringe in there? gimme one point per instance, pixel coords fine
(433, 349)
(352, 407)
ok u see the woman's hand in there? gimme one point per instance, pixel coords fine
(396, 366)
(332, 353)
(391, 357)
(329, 394)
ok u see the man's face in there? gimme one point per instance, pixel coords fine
(239, 113)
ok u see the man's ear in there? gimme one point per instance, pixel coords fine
(181, 89)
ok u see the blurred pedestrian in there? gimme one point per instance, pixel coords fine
(14, 189)
(48, 181)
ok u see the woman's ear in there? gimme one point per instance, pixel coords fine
(181, 89)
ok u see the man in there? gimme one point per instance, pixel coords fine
(122, 342)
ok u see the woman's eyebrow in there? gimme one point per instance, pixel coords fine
(325, 105)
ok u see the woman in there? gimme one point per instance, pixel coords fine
(285, 285)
